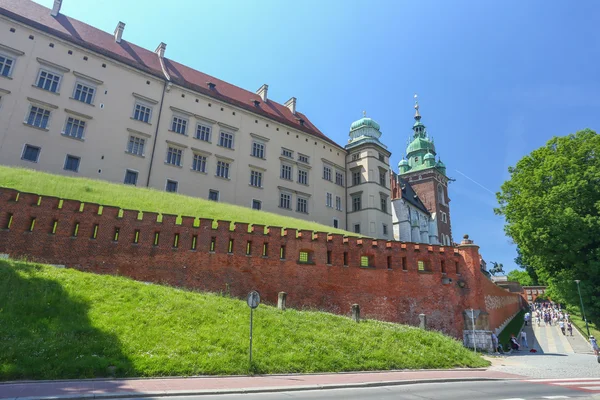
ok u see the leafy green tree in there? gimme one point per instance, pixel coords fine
(497, 268)
(551, 204)
(520, 276)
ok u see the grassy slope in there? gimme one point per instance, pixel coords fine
(580, 324)
(513, 326)
(135, 198)
(62, 323)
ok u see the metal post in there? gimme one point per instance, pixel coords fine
(251, 311)
(473, 322)
(582, 309)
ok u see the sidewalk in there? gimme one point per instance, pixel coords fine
(106, 388)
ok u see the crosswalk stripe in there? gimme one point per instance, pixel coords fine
(590, 387)
(555, 397)
(595, 382)
(561, 380)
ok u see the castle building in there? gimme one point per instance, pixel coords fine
(78, 101)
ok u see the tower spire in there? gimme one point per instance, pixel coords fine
(417, 114)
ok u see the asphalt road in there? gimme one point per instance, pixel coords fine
(491, 390)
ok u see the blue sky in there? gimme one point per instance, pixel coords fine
(496, 79)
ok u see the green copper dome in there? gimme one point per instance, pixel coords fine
(419, 144)
(429, 156)
(403, 162)
(364, 122)
(440, 164)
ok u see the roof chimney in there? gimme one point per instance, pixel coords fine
(262, 92)
(119, 31)
(56, 8)
(160, 50)
(291, 104)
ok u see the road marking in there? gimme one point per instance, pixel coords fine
(591, 382)
(555, 397)
(561, 380)
(515, 398)
(590, 387)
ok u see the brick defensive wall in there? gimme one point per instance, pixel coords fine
(391, 281)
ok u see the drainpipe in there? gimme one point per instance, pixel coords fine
(346, 190)
(156, 131)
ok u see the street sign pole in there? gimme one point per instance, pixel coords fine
(253, 301)
(251, 311)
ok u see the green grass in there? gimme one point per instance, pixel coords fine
(513, 326)
(142, 199)
(579, 323)
(62, 323)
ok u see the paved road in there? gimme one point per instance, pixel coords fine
(499, 390)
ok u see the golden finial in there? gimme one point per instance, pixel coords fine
(417, 115)
(364, 114)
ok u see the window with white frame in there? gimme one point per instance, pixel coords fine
(256, 204)
(142, 112)
(356, 202)
(226, 140)
(6, 65)
(444, 218)
(327, 172)
(287, 153)
(174, 156)
(213, 195)
(383, 203)
(203, 132)
(199, 163)
(179, 125)
(285, 200)
(286, 172)
(338, 203)
(31, 153)
(382, 178)
(223, 169)
(74, 128)
(135, 145)
(356, 177)
(131, 177)
(258, 149)
(355, 156)
(256, 178)
(303, 158)
(339, 178)
(302, 205)
(48, 80)
(72, 163)
(302, 176)
(38, 117)
(84, 92)
(329, 200)
(171, 186)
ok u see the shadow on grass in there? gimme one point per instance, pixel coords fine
(45, 333)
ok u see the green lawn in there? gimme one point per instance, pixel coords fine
(580, 324)
(62, 323)
(135, 198)
(513, 326)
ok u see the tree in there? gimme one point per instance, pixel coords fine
(551, 205)
(520, 276)
(497, 268)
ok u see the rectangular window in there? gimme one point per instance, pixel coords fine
(199, 163)
(303, 158)
(131, 177)
(338, 203)
(74, 128)
(327, 173)
(203, 132)
(286, 172)
(213, 195)
(356, 228)
(171, 186)
(179, 125)
(174, 156)
(142, 112)
(72, 163)
(443, 266)
(48, 81)
(356, 177)
(226, 140)
(329, 200)
(302, 176)
(6, 65)
(31, 153)
(356, 203)
(38, 117)
(287, 153)
(383, 202)
(421, 266)
(223, 169)
(381, 157)
(84, 93)
(256, 178)
(404, 265)
(258, 150)
(355, 156)
(339, 178)
(136, 145)
(336, 223)
(364, 261)
(382, 178)
(304, 257)
(256, 205)
(385, 229)
(302, 205)
(285, 200)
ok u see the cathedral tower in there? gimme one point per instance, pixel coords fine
(427, 177)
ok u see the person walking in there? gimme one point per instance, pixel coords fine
(561, 324)
(495, 342)
(527, 316)
(570, 328)
(524, 339)
(594, 344)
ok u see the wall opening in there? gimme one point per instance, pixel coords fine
(404, 265)
(443, 266)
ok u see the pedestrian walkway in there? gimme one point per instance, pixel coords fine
(551, 339)
(107, 388)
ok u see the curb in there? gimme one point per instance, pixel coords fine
(121, 395)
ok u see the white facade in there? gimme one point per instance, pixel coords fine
(412, 224)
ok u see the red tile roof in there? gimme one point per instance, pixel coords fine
(38, 16)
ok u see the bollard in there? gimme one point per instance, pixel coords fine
(281, 298)
(423, 321)
(356, 312)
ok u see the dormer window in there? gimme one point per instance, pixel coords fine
(416, 159)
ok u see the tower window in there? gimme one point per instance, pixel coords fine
(440, 190)
(416, 159)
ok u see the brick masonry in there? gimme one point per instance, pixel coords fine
(191, 253)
